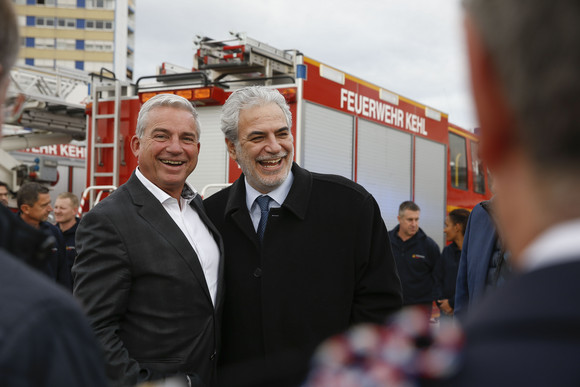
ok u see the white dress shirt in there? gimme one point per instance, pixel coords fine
(559, 244)
(278, 196)
(194, 229)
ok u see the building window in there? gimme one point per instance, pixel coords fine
(45, 22)
(47, 43)
(99, 25)
(458, 161)
(478, 170)
(102, 4)
(79, 64)
(81, 24)
(81, 4)
(99, 45)
(80, 44)
(66, 23)
(30, 21)
(29, 42)
(65, 44)
(29, 61)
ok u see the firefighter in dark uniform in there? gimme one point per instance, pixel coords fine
(416, 255)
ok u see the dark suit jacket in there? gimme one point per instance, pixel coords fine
(325, 264)
(526, 332)
(478, 245)
(144, 290)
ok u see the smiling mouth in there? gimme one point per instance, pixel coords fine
(172, 162)
(270, 163)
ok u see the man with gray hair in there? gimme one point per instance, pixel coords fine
(45, 340)
(524, 58)
(149, 263)
(307, 254)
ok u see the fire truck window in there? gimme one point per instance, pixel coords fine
(458, 161)
(478, 170)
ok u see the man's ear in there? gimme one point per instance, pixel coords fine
(25, 209)
(496, 116)
(231, 149)
(135, 145)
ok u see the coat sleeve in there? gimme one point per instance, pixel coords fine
(461, 287)
(378, 291)
(102, 282)
(439, 275)
(434, 255)
(63, 272)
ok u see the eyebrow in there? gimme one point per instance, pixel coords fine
(166, 131)
(259, 133)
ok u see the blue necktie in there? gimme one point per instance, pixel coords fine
(263, 202)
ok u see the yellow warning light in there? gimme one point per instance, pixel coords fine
(202, 93)
(187, 94)
(146, 96)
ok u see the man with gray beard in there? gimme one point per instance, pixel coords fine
(306, 255)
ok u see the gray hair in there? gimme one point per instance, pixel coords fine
(9, 41)
(170, 100)
(246, 98)
(408, 205)
(534, 46)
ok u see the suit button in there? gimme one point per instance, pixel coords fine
(212, 356)
(258, 272)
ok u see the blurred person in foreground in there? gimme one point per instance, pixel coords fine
(45, 340)
(149, 264)
(66, 207)
(307, 254)
(446, 269)
(524, 58)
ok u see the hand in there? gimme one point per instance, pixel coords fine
(445, 307)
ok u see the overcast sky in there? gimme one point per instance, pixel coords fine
(414, 48)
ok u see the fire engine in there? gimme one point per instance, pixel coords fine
(397, 148)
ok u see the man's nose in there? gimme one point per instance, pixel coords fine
(174, 145)
(272, 144)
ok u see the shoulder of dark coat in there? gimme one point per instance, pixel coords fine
(339, 183)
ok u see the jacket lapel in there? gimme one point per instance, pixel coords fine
(154, 213)
(236, 208)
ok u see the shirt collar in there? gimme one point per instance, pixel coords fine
(278, 195)
(188, 193)
(559, 244)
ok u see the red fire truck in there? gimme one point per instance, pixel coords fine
(397, 148)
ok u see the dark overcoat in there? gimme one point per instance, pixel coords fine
(325, 264)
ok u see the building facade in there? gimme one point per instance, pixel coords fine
(86, 35)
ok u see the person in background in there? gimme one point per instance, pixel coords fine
(150, 263)
(483, 265)
(66, 207)
(4, 191)
(524, 61)
(33, 200)
(45, 339)
(416, 256)
(446, 270)
(307, 254)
